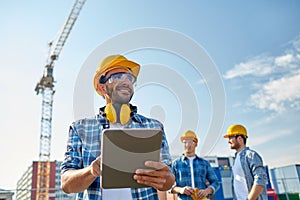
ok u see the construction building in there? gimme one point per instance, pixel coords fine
(283, 182)
(6, 194)
(28, 183)
(286, 181)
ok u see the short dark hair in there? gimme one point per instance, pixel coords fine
(243, 136)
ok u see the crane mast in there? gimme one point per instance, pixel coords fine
(46, 87)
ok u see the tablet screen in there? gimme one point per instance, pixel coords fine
(125, 150)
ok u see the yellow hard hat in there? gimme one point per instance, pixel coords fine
(115, 62)
(236, 129)
(189, 135)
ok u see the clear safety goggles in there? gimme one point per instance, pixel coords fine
(188, 141)
(120, 77)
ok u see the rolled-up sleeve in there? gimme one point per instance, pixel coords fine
(213, 179)
(72, 157)
(258, 170)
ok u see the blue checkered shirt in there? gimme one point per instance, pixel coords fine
(202, 172)
(84, 147)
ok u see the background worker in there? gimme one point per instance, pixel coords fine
(249, 174)
(113, 81)
(192, 172)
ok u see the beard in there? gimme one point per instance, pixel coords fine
(235, 146)
(116, 98)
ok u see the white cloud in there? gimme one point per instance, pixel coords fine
(261, 65)
(278, 94)
(284, 60)
(274, 79)
(296, 44)
(262, 139)
(265, 65)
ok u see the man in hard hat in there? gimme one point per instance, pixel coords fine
(113, 81)
(249, 174)
(192, 172)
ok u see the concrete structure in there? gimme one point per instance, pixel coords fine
(27, 184)
(286, 180)
(6, 194)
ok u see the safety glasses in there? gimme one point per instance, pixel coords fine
(120, 77)
(188, 141)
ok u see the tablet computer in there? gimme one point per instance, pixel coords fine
(125, 150)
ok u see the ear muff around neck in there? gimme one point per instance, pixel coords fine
(110, 112)
(124, 114)
(112, 115)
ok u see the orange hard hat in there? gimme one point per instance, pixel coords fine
(116, 63)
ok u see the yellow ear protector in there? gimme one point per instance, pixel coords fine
(112, 116)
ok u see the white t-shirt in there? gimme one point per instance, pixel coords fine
(192, 170)
(239, 180)
(118, 193)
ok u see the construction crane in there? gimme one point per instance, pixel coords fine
(46, 87)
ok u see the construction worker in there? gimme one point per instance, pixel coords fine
(192, 172)
(249, 174)
(113, 81)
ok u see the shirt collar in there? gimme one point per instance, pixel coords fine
(242, 152)
(183, 157)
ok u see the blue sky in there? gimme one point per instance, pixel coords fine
(244, 68)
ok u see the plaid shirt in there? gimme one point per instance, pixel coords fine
(84, 145)
(202, 172)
